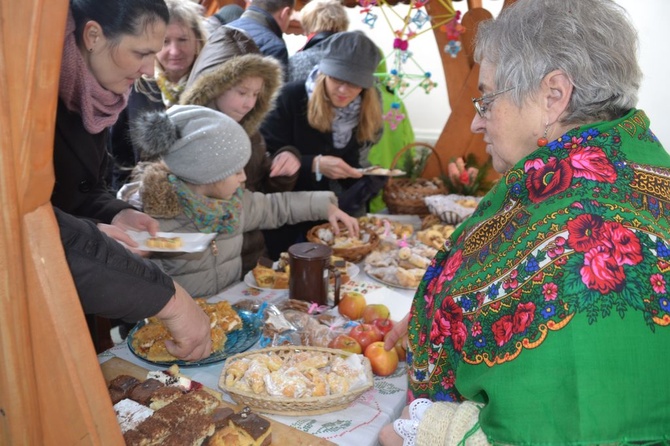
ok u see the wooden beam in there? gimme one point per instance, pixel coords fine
(461, 75)
(51, 388)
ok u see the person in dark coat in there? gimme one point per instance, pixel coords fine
(320, 19)
(265, 21)
(185, 37)
(103, 39)
(223, 16)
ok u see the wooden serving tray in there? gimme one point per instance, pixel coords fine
(281, 433)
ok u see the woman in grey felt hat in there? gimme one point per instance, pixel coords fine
(333, 118)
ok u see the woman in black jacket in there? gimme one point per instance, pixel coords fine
(184, 40)
(109, 44)
(332, 118)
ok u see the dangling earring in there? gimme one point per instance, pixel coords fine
(541, 142)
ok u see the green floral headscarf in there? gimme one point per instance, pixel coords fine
(550, 304)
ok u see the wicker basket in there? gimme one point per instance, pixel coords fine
(405, 195)
(295, 406)
(354, 254)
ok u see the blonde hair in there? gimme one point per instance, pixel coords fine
(320, 113)
(189, 14)
(324, 15)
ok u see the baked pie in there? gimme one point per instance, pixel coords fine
(269, 274)
(149, 340)
(164, 242)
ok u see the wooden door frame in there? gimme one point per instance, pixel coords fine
(52, 391)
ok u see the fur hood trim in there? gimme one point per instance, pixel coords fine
(159, 199)
(206, 85)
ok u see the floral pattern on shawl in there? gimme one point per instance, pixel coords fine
(574, 230)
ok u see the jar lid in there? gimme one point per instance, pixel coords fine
(310, 251)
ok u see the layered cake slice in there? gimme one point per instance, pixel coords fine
(244, 429)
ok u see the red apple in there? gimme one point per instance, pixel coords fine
(375, 311)
(346, 343)
(401, 348)
(366, 334)
(352, 305)
(383, 362)
(383, 325)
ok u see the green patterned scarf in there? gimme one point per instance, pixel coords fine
(550, 304)
(170, 91)
(209, 214)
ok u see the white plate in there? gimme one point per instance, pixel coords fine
(391, 284)
(352, 271)
(191, 241)
(381, 171)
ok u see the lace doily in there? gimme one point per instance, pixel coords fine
(407, 428)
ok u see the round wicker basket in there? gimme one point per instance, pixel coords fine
(352, 254)
(295, 406)
(405, 195)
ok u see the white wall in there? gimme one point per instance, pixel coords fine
(428, 112)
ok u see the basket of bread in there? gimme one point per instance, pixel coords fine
(406, 195)
(350, 248)
(296, 380)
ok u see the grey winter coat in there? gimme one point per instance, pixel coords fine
(228, 57)
(207, 273)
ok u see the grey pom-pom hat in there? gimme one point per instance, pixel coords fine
(198, 144)
(351, 57)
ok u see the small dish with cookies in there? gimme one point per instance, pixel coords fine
(171, 241)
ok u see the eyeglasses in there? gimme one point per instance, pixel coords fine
(482, 104)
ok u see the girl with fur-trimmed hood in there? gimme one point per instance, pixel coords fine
(196, 187)
(231, 76)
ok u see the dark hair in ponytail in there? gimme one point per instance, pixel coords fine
(118, 17)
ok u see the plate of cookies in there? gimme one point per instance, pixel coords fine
(269, 275)
(381, 171)
(232, 332)
(172, 241)
(400, 267)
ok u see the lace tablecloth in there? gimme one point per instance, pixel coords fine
(361, 422)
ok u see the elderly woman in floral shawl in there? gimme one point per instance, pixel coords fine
(544, 320)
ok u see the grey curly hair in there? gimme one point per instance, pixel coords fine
(592, 41)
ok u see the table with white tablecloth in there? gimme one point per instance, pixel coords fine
(360, 423)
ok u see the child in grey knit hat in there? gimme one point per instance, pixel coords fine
(197, 186)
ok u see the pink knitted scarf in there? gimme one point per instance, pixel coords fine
(80, 90)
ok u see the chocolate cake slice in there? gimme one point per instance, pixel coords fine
(191, 404)
(149, 432)
(220, 416)
(120, 387)
(164, 396)
(143, 391)
(190, 432)
(251, 425)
